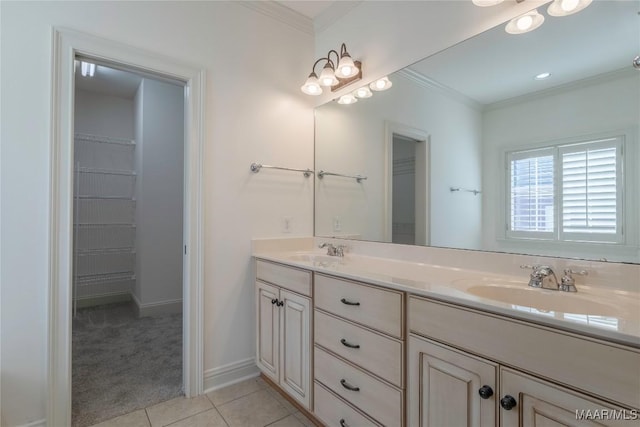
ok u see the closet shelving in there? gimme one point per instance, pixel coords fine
(104, 224)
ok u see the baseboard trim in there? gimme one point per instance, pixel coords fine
(90, 301)
(232, 373)
(37, 423)
(156, 308)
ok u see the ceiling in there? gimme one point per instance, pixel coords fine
(109, 81)
(311, 9)
(495, 66)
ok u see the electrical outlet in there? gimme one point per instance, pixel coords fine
(287, 224)
(337, 224)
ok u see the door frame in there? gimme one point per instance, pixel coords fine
(423, 155)
(66, 44)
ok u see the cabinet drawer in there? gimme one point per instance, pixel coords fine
(332, 410)
(378, 400)
(378, 308)
(376, 353)
(611, 371)
(294, 279)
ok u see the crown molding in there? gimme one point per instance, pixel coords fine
(333, 13)
(563, 88)
(281, 14)
(429, 83)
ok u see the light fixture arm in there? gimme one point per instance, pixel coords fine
(313, 68)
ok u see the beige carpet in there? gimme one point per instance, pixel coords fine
(122, 363)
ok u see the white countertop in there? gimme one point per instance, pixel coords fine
(609, 314)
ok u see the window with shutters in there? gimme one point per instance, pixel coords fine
(569, 192)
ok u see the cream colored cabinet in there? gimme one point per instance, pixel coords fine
(283, 325)
(359, 353)
(449, 388)
(457, 383)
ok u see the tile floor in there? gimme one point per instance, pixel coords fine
(251, 403)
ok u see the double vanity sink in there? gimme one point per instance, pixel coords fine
(370, 341)
(604, 312)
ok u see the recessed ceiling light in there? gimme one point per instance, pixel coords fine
(542, 76)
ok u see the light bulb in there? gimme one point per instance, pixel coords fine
(525, 23)
(311, 86)
(346, 67)
(567, 7)
(381, 84)
(327, 76)
(347, 99)
(363, 92)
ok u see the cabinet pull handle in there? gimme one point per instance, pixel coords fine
(348, 386)
(273, 301)
(508, 402)
(280, 303)
(348, 344)
(345, 301)
(343, 423)
(485, 392)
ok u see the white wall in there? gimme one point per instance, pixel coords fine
(610, 105)
(100, 114)
(254, 111)
(350, 139)
(159, 196)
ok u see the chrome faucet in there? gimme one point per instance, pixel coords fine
(333, 250)
(543, 277)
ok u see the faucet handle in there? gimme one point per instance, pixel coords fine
(569, 272)
(529, 267)
(568, 283)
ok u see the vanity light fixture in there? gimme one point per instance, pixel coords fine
(381, 84)
(567, 7)
(542, 76)
(87, 69)
(347, 99)
(363, 92)
(525, 23)
(336, 73)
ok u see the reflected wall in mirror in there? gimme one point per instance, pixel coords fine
(469, 150)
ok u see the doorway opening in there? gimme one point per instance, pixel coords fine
(127, 242)
(407, 185)
(67, 45)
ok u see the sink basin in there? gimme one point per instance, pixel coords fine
(544, 300)
(315, 258)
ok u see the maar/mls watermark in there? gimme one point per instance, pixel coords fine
(607, 414)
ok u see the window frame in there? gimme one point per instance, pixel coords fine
(557, 148)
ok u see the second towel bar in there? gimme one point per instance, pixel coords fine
(358, 178)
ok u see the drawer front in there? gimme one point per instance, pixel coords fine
(294, 279)
(376, 353)
(376, 308)
(380, 401)
(561, 357)
(335, 412)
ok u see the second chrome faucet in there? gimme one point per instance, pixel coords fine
(333, 250)
(543, 277)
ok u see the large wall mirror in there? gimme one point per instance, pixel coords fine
(468, 149)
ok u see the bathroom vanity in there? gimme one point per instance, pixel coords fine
(372, 341)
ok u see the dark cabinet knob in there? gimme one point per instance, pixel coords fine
(485, 392)
(508, 402)
(281, 303)
(343, 423)
(273, 301)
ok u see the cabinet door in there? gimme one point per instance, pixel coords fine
(541, 404)
(267, 330)
(444, 387)
(295, 346)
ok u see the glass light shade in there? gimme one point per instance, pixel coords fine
(542, 76)
(363, 92)
(312, 85)
(347, 99)
(328, 76)
(485, 3)
(381, 84)
(346, 67)
(567, 7)
(524, 23)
